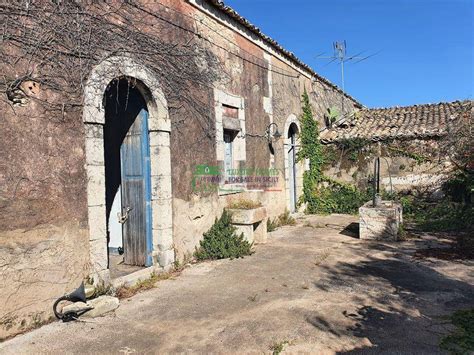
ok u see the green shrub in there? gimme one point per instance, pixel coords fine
(461, 340)
(222, 242)
(407, 205)
(460, 187)
(336, 197)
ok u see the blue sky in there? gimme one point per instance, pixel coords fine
(426, 46)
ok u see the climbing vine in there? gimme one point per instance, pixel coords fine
(321, 193)
(420, 159)
(312, 150)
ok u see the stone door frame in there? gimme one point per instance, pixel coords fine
(159, 129)
(299, 166)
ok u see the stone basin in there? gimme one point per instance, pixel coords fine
(382, 222)
(251, 222)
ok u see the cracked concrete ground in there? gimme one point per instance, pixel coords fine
(313, 286)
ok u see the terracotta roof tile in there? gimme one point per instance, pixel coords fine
(417, 121)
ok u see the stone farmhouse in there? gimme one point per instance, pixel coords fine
(130, 126)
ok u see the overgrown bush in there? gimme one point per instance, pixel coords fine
(221, 241)
(320, 193)
(460, 188)
(442, 216)
(337, 197)
(461, 340)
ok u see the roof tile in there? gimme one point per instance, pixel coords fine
(420, 121)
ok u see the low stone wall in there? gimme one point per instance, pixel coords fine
(36, 267)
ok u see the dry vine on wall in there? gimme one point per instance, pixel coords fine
(47, 51)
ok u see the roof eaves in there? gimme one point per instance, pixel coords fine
(219, 4)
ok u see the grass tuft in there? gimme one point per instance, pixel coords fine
(244, 204)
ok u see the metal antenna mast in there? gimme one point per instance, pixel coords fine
(341, 56)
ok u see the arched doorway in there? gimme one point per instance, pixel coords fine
(127, 175)
(292, 170)
(147, 136)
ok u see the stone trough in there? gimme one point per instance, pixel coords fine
(382, 222)
(251, 222)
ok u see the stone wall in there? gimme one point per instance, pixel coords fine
(37, 266)
(415, 165)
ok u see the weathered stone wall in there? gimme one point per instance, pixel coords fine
(38, 265)
(271, 90)
(405, 165)
(44, 244)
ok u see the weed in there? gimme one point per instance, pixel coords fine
(335, 197)
(243, 204)
(142, 285)
(272, 225)
(37, 320)
(447, 215)
(311, 225)
(7, 322)
(102, 289)
(321, 257)
(253, 298)
(402, 234)
(277, 348)
(285, 219)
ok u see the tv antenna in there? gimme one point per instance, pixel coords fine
(340, 55)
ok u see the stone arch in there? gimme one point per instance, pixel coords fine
(159, 128)
(292, 120)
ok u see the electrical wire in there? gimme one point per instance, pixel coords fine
(280, 71)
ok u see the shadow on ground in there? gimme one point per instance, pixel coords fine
(352, 230)
(403, 321)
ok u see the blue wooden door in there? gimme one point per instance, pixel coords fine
(136, 204)
(292, 170)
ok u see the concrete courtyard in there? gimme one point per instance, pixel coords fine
(313, 288)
